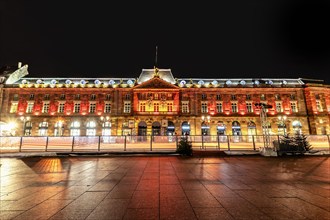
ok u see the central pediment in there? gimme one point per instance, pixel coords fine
(156, 83)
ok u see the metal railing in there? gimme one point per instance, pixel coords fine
(145, 143)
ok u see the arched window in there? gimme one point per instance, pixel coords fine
(75, 128)
(43, 128)
(91, 128)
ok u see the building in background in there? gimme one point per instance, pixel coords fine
(156, 103)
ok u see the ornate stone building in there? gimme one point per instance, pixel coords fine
(156, 103)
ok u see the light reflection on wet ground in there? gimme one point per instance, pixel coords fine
(165, 187)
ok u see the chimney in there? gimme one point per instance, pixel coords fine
(19, 65)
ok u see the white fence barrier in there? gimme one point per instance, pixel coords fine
(145, 143)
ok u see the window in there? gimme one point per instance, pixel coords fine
(31, 96)
(317, 96)
(77, 97)
(108, 97)
(233, 97)
(248, 97)
(47, 97)
(127, 96)
(219, 107)
(29, 108)
(13, 107)
(107, 108)
(61, 108)
(169, 95)
(185, 106)
(277, 97)
(169, 107)
(319, 106)
(127, 107)
(75, 128)
(90, 128)
(279, 107)
(292, 96)
(45, 108)
(218, 97)
(204, 96)
(204, 107)
(294, 107)
(93, 97)
(156, 96)
(76, 108)
(142, 107)
(62, 96)
(43, 128)
(249, 107)
(156, 107)
(262, 97)
(234, 107)
(15, 98)
(92, 108)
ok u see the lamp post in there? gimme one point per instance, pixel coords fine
(24, 119)
(282, 119)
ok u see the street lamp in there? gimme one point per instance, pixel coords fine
(282, 124)
(24, 119)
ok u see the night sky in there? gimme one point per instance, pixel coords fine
(234, 39)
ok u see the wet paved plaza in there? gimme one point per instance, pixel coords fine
(165, 187)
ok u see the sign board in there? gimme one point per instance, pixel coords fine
(131, 123)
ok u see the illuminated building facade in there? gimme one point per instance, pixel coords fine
(156, 103)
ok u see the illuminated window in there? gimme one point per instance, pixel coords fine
(76, 108)
(142, 107)
(234, 107)
(43, 128)
(61, 108)
(29, 108)
(90, 128)
(13, 107)
(156, 107)
(127, 107)
(185, 106)
(92, 108)
(107, 108)
(45, 107)
(169, 107)
(319, 106)
(294, 107)
(156, 96)
(219, 107)
(279, 107)
(249, 107)
(204, 107)
(75, 128)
